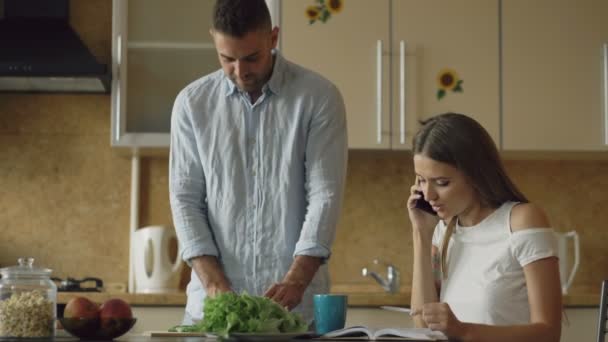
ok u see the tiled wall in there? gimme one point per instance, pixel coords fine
(64, 192)
(374, 223)
(64, 196)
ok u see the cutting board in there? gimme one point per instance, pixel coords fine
(164, 333)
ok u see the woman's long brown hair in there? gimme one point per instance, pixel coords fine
(461, 142)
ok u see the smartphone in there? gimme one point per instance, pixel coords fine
(422, 204)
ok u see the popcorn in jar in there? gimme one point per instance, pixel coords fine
(27, 301)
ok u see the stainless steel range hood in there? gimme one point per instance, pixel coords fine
(40, 52)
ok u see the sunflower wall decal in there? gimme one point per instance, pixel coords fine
(448, 80)
(323, 10)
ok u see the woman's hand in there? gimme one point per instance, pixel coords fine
(439, 316)
(422, 221)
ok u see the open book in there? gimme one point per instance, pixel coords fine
(368, 333)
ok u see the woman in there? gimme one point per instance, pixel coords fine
(485, 266)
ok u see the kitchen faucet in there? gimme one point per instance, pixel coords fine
(391, 283)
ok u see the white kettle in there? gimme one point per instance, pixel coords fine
(567, 268)
(154, 271)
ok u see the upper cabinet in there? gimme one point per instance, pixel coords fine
(387, 58)
(460, 37)
(158, 48)
(555, 74)
(352, 49)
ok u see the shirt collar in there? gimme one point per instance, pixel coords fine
(278, 72)
(274, 83)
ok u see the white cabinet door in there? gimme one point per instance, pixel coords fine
(352, 50)
(554, 74)
(580, 324)
(158, 48)
(388, 90)
(461, 36)
(155, 318)
(376, 317)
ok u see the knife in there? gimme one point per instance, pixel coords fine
(398, 309)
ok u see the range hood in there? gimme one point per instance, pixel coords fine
(40, 52)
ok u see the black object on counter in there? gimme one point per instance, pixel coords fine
(88, 284)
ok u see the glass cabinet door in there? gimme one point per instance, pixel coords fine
(159, 47)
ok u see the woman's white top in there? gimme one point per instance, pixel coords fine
(485, 280)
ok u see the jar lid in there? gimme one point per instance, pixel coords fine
(25, 269)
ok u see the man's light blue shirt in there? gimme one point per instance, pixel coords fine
(257, 184)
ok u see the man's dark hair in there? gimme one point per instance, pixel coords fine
(236, 18)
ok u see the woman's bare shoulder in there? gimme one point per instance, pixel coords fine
(528, 215)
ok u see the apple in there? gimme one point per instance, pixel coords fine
(115, 308)
(116, 316)
(81, 307)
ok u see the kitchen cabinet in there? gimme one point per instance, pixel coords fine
(579, 324)
(554, 75)
(157, 49)
(156, 318)
(386, 56)
(376, 317)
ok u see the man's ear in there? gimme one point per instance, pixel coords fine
(274, 36)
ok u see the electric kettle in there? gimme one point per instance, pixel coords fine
(153, 268)
(567, 267)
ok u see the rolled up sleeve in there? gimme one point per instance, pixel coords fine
(326, 160)
(187, 187)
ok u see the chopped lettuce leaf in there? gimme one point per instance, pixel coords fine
(229, 312)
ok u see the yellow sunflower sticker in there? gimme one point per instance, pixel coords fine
(313, 13)
(323, 10)
(334, 6)
(447, 80)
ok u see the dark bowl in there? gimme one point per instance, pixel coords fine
(97, 329)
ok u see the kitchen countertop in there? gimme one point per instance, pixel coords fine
(359, 295)
(141, 338)
(135, 299)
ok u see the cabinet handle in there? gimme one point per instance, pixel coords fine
(379, 90)
(605, 93)
(118, 90)
(402, 91)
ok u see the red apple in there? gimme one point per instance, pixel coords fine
(115, 308)
(81, 307)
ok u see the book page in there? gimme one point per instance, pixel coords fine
(410, 333)
(354, 331)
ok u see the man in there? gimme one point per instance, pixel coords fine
(257, 168)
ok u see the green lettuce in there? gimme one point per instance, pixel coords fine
(229, 312)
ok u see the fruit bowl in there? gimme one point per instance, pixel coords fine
(96, 328)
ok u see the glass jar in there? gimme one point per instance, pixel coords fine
(28, 301)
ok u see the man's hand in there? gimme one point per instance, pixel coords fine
(211, 275)
(288, 295)
(289, 292)
(213, 291)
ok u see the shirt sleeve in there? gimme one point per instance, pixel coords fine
(325, 169)
(529, 245)
(187, 187)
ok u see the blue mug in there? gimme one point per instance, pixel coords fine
(330, 312)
